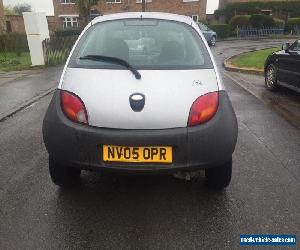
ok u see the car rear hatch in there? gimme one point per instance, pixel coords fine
(169, 95)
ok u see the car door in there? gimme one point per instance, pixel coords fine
(288, 63)
(295, 64)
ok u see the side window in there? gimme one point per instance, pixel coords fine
(296, 46)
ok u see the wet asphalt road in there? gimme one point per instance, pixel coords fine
(108, 212)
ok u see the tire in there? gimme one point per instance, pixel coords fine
(213, 41)
(63, 176)
(271, 78)
(219, 177)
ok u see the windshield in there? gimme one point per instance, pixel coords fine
(144, 44)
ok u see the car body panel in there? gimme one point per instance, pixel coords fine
(169, 95)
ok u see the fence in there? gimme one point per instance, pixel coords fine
(296, 30)
(56, 49)
(13, 42)
(265, 32)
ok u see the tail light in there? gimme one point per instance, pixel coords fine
(73, 107)
(203, 109)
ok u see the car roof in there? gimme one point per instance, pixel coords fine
(152, 15)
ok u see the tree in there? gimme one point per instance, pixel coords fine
(22, 7)
(9, 10)
(84, 8)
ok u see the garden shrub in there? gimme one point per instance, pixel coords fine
(241, 21)
(259, 21)
(279, 8)
(13, 42)
(278, 23)
(222, 30)
(292, 22)
(68, 32)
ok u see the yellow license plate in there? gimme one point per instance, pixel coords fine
(137, 154)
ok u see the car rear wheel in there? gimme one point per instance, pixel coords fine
(213, 41)
(271, 78)
(220, 176)
(63, 176)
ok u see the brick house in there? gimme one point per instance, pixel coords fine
(66, 13)
(10, 23)
(14, 23)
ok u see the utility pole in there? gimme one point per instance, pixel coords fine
(143, 5)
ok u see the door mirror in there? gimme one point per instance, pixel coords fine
(286, 47)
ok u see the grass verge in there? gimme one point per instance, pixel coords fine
(253, 60)
(11, 62)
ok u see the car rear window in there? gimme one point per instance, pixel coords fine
(143, 43)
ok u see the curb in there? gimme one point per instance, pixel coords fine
(229, 67)
(25, 104)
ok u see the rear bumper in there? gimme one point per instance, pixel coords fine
(199, 147)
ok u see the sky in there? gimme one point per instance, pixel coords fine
(47, 6)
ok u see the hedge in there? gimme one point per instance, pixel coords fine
(222, 30)
(260, 20)
(68, 32)
(279, 9)
(292, 22)
(240, 21)
(13, 42)
(279, 23)
(203, 21)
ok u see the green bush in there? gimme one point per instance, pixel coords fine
(257, 20)
(260, 20)
(269, 22)
(13, 42)
(279, 8)
(68, 32)
(292, 22)
(279, 23)
(204, 22)
(241, 21)
(222, 30)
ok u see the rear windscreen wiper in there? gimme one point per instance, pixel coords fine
(113, 60)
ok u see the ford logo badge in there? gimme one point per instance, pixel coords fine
(137, 102)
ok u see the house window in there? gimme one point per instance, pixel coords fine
(113, 1)
(67, 1)
(195, 18)
(70, 22)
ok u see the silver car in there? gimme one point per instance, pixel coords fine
(140, 94)
(210, 35)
